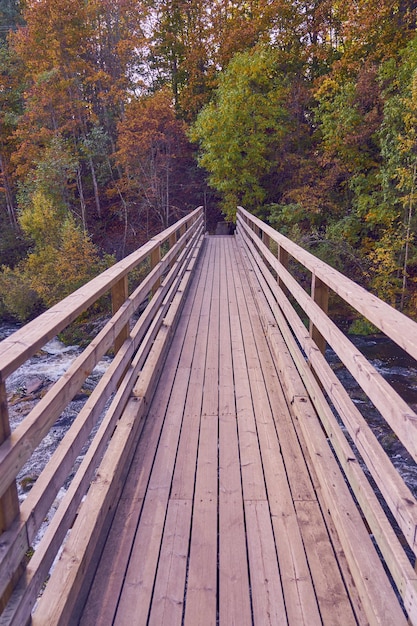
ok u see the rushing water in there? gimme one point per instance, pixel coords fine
(29, 382)
(400, 370)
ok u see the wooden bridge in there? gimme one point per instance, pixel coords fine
(221, 472)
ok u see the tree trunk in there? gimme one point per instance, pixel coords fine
(8, 194)
(82, 200)
(407, 236)
(95, 185)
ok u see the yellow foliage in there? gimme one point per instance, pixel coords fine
(385, 272)
(64, 257)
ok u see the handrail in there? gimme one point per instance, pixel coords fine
(171, 254)
(272, 278)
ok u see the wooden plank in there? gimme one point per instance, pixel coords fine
(297, 463)
(370, 586)
(168, 596)
(9, 507)
(375, 591)
(320, 295)
(136, 595)
(9, 503)
(119, 295)
(251, 465)
(155, 259)
(334, 603)
(298, 590)
(61, 592)
(397, 495)
(193, 355)
(268, 393)
(267, 594)
(185, 467)
(201, 596)
(234, 592)
(106, 588)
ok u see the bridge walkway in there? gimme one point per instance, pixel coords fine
(220, 518)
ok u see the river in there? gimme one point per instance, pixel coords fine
(25, 387)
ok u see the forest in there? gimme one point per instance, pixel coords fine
(117, 117)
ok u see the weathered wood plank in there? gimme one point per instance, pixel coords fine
(265, 578)
(320, 295)
(9, 510)
(136, 595)
(234, 594)
(299, 594)
(195, 357)
(201, 597)
(332, 598)
(119, 295)
(168, 596)
(376, 593)
(106, 589)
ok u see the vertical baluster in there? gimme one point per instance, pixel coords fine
(266, 239)
(155, 259)
(320, 295)
(9, 502)
(119, 294)
(172, 241)
(283, 259)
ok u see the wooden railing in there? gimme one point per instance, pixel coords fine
(388, 506)
(140, 342)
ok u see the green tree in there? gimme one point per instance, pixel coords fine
(241, 132)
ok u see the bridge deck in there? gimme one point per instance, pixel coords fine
(219, 520)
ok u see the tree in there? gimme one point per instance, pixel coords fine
(156, 155)
(62, 259)
(240, 132)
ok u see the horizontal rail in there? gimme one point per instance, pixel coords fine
(25, 342)
(359, 453)
(171, 255)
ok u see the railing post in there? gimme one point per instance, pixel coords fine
(119, 295)
(283, 259)
(9, 502)
(320, 295)
(155, 259)
(171, 242)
